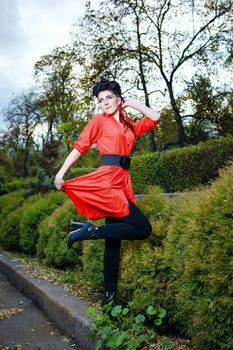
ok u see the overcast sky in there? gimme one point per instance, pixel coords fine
(28, 30)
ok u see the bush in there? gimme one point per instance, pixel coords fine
(199, 253)
(53, 232)
(9, 225)
(143, 271)
(181, 169)
(32, 216)
(8, 205)
(92, 260)
(17, 184)
(10, 202)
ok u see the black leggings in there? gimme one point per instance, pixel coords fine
(133, 226)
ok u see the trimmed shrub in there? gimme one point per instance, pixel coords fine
(143, 271)
(8, 205)
(183, 168)
(9, 225)
(9, 202)
(17, 184)
(52, 243)
(32, 216)
(92, 261)
(199, 253)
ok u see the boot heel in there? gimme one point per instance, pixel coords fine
(76, 224)
(85, 231)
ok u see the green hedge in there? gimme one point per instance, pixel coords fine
(11, 215)
(198, 251)
(17, 184)
(32, 216)
(10, 202)
(183, 168)
(184, 266)
(52, 240)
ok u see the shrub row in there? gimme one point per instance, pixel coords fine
(17, 184)
(183, 168)
(186, 264)
(26, 226)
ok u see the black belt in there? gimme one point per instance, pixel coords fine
(117, 160)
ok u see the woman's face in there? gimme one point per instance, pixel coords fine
(109, 103)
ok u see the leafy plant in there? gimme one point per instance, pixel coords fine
(118, 328)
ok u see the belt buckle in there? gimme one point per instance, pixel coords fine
(125, 162)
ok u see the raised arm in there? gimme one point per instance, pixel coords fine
(70, 160)
(147, 111)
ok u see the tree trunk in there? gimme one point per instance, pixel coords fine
(178, 117)
(143, 81)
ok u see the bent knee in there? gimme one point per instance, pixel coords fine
(147, 230)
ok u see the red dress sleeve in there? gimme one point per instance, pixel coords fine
(89, 135)
(143, 125)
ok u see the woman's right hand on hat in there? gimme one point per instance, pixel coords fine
(58, 182)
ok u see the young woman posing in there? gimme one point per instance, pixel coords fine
(107, 192)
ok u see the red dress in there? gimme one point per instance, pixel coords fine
(104, 192)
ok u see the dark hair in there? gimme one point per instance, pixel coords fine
(113, 86)
(105, 84)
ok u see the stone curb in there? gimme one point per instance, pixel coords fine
(65, 310)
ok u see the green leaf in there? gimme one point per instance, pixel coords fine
(151, 310)
(90, 311)
(167, 343)
(125, 311)
(106, 331)
(162, 312)
(116, 310)
(98, 345)
(158, 321)
(141, 338)
(120, 339)
(140, 318)
(137, 327)
(132, 345)
(151, 335)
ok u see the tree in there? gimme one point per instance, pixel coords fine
(157, 40)
(60, 102)
(22, 117)
(212, 109)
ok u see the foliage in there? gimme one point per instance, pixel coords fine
(186, 264)
(143, 280)
(201, 269)
(118, 328)
(15, 206)
(53, 231)
(92, 261)
(181, 169)
(26, 183)
(8, 206)
(212, 109)
(10, 202)
(32, 216)
(22, 118)
(157, 54)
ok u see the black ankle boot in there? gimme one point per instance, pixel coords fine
(109, 299)
(86, 231)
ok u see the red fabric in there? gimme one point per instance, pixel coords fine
(104, 192)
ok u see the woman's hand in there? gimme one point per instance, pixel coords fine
(147, 111)
(129, 103)
(58, 182)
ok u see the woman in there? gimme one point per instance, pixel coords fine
(107, 192)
